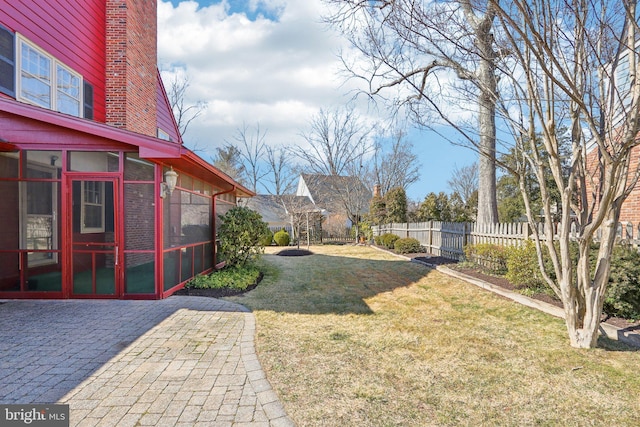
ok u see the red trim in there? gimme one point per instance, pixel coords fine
(35, 125)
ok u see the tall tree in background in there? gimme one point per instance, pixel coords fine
(252, 146)
(437, 60)
(396, 205)
(184, 111)
(395, 165)
(228, 159)
(280, 174)
(575, 68)
(464, 181)
(336, 143)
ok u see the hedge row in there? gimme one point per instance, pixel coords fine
(519, 265)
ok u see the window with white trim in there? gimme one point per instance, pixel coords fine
(45, 81)
(92, 207)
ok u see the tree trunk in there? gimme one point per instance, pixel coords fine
(487, 200)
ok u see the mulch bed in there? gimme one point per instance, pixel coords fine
(504, 283)
(294, 252)
(218, 293)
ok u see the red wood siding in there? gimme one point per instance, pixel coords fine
(166, 120)
(72, 31)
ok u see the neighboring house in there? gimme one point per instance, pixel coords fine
(341, 198)
(271, 209)
(285, 211)
(630, 211)
(88, 144)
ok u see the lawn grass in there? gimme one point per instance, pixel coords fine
(352, 336)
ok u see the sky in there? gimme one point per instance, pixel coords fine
(272, 63)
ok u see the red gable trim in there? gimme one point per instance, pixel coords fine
(23, 123)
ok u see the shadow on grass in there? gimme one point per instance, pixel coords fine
(320, 284)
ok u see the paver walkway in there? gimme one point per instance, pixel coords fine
(182, 361)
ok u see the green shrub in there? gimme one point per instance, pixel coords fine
(522, 266)
(267, 238)
(282, 238)
(623, 293)
(235, 277)
(407, 246)
(488, 256)
(389, 240)
(241, 232)
(378, 240)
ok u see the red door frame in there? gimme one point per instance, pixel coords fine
(67, 242)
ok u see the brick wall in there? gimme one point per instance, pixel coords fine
(131, 69)
(631, 207)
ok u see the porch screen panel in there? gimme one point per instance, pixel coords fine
(9, 236)
(9, 273)
(9, 165)
(187, 219)
(196, 218)
(139, 225)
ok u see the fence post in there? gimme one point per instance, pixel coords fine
(430, 237)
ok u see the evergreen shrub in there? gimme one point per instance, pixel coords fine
(282, 238)
(407, 246)
(389, 240)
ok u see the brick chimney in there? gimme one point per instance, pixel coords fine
(376, 190)
(132, 65)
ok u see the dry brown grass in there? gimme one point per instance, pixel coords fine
(352, 336)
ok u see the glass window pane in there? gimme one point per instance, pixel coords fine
(50, 161)
(68, 95)
(139, 221)
(136, 169)
(93, 161)
(35, 76)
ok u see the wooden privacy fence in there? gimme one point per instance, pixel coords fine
(448, 239)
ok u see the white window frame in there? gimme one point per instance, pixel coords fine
(84, 203)
(163, 135)
(55, 91)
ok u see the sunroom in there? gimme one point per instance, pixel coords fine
(91, 211)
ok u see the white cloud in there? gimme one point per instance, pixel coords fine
(276, 72)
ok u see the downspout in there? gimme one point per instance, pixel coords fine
(217, 266)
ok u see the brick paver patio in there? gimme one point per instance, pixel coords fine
(182, 361)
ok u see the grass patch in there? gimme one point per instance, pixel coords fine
(236, 278)
(356, 337)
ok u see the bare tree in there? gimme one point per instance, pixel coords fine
(438, 61)
(396, 167)
(252, 148)
(464, 181)
(183, 111)
(575, 67)
(336, 140)
(280, 171)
